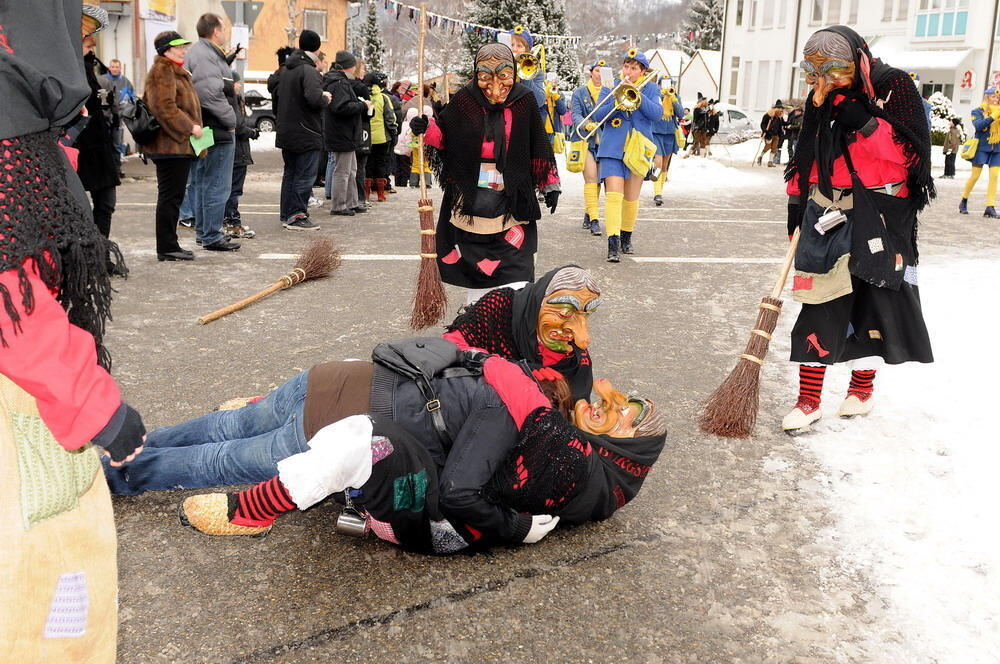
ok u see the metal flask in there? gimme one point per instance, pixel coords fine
(350, 522)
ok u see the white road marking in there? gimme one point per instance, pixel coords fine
(348, 257)
(705, 259)
(712, 221)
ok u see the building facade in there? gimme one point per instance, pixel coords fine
(945, 43)
(135, 23)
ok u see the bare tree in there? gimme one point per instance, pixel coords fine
(293, 18)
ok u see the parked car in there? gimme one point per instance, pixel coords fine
(734, 124)
(262, 116)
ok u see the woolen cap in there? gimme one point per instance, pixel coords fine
(345, 60)
(309, 41)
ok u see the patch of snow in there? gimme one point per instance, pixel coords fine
(914, 485)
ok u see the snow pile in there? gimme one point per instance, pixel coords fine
(914, 484)
(265, 142)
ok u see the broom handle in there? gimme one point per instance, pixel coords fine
(420, 96)
(779, 285)
(225, 311)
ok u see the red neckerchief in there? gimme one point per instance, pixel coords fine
(550, 357)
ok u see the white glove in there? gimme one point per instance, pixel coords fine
(541, 524)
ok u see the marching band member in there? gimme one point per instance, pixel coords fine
(582, 104)
(984, 119)
(622, 187)
(553, 111)
(521, 43)
(665, 136)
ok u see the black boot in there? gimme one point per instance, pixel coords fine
(963, 206)
(627, 242)
(613, 249)
(595, 227)
(991, 213)
(586, 221)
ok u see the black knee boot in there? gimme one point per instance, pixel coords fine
(626, 243)
(613, 247)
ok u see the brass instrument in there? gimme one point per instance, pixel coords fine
(628, 98)
(530, 64)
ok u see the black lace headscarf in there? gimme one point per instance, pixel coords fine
(468, 120)
(902, 108)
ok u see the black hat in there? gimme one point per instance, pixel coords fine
(345, 60)
(309, 41)
(778, 104)
(167, 39)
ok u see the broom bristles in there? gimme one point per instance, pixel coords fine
(731, 411)
(430, 302)
(319, 259)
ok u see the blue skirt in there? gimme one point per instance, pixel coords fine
(984, 158)
(609, 167)
(666, 144)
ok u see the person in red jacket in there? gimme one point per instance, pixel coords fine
(58, 581)
(860, 175)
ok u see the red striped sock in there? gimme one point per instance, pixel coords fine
(260, 505)
(811, 383)
(862, 383)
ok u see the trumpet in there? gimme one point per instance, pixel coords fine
(628, 98)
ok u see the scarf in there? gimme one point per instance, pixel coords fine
(595, 91)
(994, 136)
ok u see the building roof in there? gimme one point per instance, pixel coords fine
(668, 61)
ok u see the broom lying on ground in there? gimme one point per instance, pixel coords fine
(731, 411)
(319, 260)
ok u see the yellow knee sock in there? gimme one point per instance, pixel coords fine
(991, 188)
(613, 212)
(658, 183)
(630, 210)
(592, 199)
(971, 182)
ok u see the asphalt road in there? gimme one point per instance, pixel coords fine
(721, 558)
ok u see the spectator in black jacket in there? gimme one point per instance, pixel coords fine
(342, 132)
(364, 93)
(99, 157)
(233, 224)
(300, 130)
(272, 80)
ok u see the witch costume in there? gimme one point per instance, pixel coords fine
(860, 175)
(492, 160)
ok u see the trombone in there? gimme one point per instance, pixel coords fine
(628, 98)
(530, 64)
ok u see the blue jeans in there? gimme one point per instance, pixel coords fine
(240, 446)
(187, 207)
(331, 161)
(297, 181)
(211, 182)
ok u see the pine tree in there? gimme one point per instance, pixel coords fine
(702, 28)
(371, 40)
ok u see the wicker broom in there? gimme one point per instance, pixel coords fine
(429, 301)
(319, 260)
(731, 411)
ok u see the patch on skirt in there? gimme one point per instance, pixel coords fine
(381, 448)
(68, 611)
(910, 275)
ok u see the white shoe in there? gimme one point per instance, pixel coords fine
(314, 202)
(856, 404)
(802, 416)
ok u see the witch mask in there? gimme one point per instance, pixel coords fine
(612, 413)
(495, 74)
(828, 64)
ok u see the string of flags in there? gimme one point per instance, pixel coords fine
(449, 23)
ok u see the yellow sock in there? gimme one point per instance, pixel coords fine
(658, 183)
(991, 188)
(630, 210)
(592, 199)
(613, 212)
(971, 182)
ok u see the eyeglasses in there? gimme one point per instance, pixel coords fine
(835, 70)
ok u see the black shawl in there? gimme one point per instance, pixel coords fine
(466, 121)
(904, 110)
(576, 367)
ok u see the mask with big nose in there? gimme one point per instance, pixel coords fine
(828, 65)
(495, 73)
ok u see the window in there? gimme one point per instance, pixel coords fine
(941, 18)
(767, 14)
(852, 13)
(903, 10)
(780, 20)
(833, 12)
(315, 20)
(927, 89)
(763, 85)
(734, 78)
(747, 73)
(886, 10)
(736, 116)
(739, 12)
(753, 14)
(816, 16)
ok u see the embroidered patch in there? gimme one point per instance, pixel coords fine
(382, 530)
(875, 245)
(875, 334)
(68, 611)
(899, 262)
(812, 343)
(802, 283)
(515, 236)
(381, 448)
(910, 275)
(452, 257)
(487, 266)
(409, 492)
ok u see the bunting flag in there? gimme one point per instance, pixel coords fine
(450, 24)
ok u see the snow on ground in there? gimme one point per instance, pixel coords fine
(914, 485)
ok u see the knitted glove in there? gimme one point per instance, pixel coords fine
(254, 134)
(551, 201)
(419, 125)
(850, 112)
(123, 433)
(794, 218)
(541, 525)
(546, 373)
